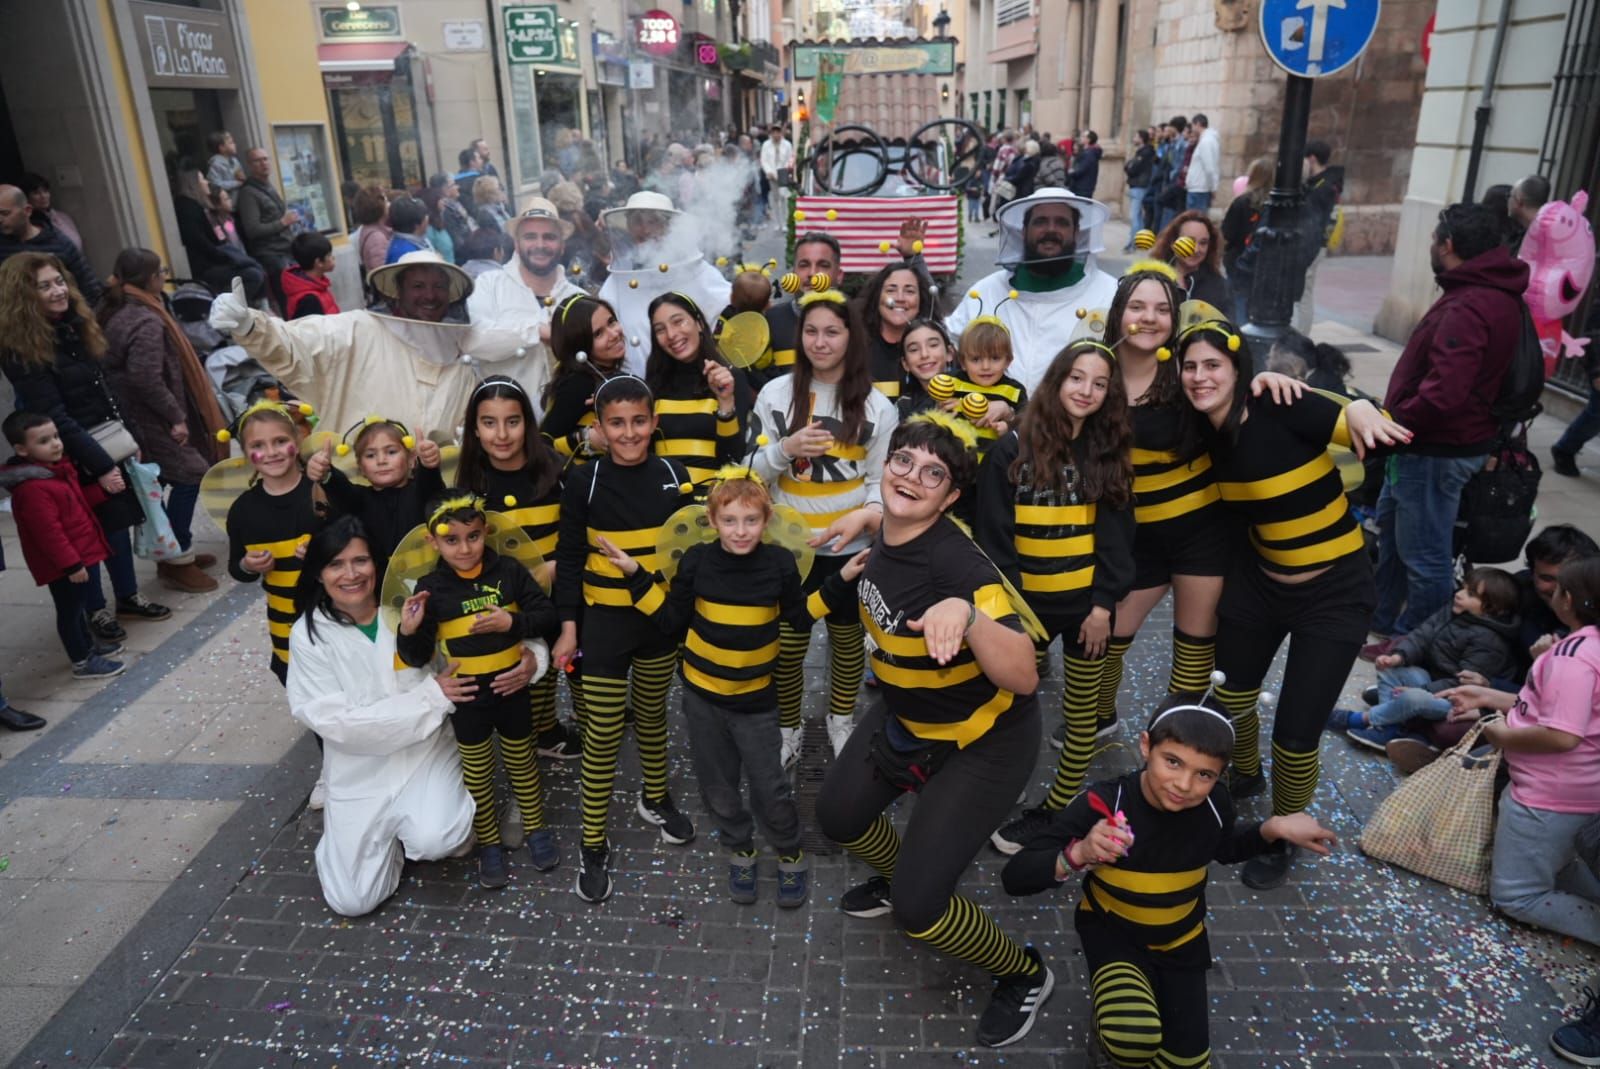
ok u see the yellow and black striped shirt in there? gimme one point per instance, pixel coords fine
(783, 325)
(1153, 899)
(727, 608)
(953, 702)
(454, 603)
(1007, 389)
(688, 429)
(570, 414)
(627, 505)
(1165, 485)
(279, 524)
(1065, 558)
(885, 362)
(515, 494)
(1280, 478)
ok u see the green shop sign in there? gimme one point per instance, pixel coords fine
(913, 57)
(340, 24)
(538, 34)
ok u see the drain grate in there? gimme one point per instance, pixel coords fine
(816, 753)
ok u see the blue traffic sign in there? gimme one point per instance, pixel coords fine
(1313, 38)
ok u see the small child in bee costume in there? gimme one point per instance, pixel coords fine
(1142, 843)
(269, 523)
(480, 607)
(402, 476)
(622, 497)
(728, 595)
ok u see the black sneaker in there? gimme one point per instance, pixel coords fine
(675, 827)
(103, 623)
(870, 899)
(1105, 726)
(1014, 1006)
(1058, 737)
(594, 878)
(794, 883)
(1243, 786)
(742, 878)
(1566, 464)
(142, 608)
(1370, 695)
(1270, 870)
(1579, 1041)
(560, 742)
(1010, 838)
(106, 649)
(492, 868)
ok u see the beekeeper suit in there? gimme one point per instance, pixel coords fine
(506, 298)
(394, 788)
(646, 237)
(1047, 246)
(408, 364)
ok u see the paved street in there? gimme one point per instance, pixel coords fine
(159, 906)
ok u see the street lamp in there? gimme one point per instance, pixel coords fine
(941, 22)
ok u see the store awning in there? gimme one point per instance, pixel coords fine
(367, 56)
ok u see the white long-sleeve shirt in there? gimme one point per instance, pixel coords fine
(776, 155)
(843, 479)
(1205, 166)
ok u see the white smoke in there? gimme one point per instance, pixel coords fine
(708, 222)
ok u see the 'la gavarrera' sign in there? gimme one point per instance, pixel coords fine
(185, 47)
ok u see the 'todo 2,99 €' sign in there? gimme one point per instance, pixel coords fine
(656, 32)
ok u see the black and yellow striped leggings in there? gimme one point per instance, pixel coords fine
(627, 664)
(1147, 1017)
(956, 810)
(1080, 696)
(1325, 620)
(847, 654)
(476, 724)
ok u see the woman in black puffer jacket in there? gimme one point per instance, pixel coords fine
(50, 349)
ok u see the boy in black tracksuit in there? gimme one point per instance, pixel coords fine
(478, 607)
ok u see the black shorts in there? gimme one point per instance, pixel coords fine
(1335, 605)
(822, 566)
(611, 637)
(1196, 543)
(509, 716)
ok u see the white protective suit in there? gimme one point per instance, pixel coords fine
(501, 299)
(695, 278)
(389, 758)
(1041, 324)
(361, 363)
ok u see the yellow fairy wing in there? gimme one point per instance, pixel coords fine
(691, 525)
(449, 463)
(221, 487)
(744, 338)
(415, 557)
(1030, 620)
(1351, 471)
(1192, 312)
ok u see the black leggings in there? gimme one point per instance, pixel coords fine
(1148, 1015)
(961, 804)
(1325, 620)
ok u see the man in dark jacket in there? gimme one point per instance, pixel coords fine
(1443, 389)
(1323, 187)
(19, 234)
(265, 222)
(1085, 172)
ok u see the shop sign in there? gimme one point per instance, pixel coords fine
(534, 34)
(466, 35)
(706, 53)
(367, 23)
(610, 59)
(912, 57)
(185, 47)
(656, 32)
(641, 74)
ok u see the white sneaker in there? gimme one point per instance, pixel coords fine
(839, 729)
(789, 753)
(319, 796)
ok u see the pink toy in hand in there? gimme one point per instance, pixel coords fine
(1559, 250)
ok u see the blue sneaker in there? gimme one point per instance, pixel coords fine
(742, 878)
(97, 667)
(542, 845)
(794, 883)
(1579, 1042)
(1345, 719)
(1374, 738)
(492, 868)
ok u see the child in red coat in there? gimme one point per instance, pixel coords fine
(60, 536)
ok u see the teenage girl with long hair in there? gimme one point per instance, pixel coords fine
(701, 402)
(587, 342)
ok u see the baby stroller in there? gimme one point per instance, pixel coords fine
(238, 379)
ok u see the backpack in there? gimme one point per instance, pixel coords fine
(1523, 385)
(1496, 513)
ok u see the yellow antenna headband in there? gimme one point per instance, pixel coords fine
(831, 296)
(991, 317)
(1218, 327)
(227, 433)
(406, 438)
(459, 503)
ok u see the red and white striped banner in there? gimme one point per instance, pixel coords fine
(863, 224)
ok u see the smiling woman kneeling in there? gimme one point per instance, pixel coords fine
(394, 778)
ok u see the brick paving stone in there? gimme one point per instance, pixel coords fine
(1354, 965)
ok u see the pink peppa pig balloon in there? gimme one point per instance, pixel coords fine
(1240, 184)
(1559, 250)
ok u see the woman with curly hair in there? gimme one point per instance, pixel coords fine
(51, 349)
(1056, 516)
(1200, 272)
